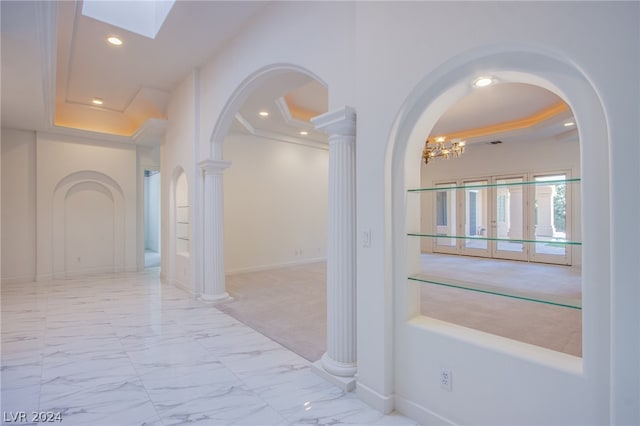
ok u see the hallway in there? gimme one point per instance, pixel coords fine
(125, 349)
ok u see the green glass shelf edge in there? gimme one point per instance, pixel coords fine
(495, 293)
(494, 185)
(506, 240)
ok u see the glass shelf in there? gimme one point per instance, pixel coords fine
(496, 185)
(497, 291)
(508, 240)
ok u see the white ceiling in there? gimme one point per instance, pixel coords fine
(55, 61)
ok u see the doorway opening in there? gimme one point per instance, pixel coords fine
(152, 223)
(275, 202)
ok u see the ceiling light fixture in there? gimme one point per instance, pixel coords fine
(482, 81)
(569, 124)
(97, 101)
(303, 132)
(439, 148)
(114, 40)
(263, 114)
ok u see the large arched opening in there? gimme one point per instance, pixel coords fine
(426, 344)
(275, 206)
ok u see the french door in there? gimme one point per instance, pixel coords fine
(517, 217)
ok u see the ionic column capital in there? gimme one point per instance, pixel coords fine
(339, 122)
(214, 167)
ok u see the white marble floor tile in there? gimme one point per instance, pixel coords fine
(126, 349)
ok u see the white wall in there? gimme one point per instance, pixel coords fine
(270, 41)
(18, 205)
(373, 55)
(275, 203)
(495, 383)
(86, 201)
(201, 103)
(178, 156)
(69, 206)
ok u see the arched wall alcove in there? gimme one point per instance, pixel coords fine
(88, 225)
(418, 341)
(180, 217)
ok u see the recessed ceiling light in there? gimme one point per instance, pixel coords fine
(97, 101)
(569, 124)
(482, 81)
(440, 139)
(302, 132)
(114, 41)
(263, 114)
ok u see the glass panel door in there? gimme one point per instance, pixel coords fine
(476, 217)
(445, 216)
(508, 222)
(551, 219)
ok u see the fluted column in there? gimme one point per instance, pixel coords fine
(213, 288)
(340, 358)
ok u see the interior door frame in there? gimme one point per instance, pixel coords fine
(528, 253)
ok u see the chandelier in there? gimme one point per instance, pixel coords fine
(441, 149)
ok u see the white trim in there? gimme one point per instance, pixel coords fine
(380, 402)
(423, 415)
(19, 279)
(280, 137)
(347, 384)
(182, 286)
(283, 107)
(276, 265)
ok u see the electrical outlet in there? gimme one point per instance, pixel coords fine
(366, 238)
(445, 379)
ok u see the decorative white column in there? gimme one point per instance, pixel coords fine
(340, 359)
(213, 288)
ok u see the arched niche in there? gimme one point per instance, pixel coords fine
(437, 92)
(182, 215)
(179, 230)
(88, 207)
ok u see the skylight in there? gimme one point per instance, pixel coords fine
(144, 17)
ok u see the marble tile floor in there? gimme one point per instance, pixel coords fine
(126, 349)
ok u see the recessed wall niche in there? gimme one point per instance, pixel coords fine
(182, 215)
(501, 225)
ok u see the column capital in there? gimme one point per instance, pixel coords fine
(212, 167)
(338, 122)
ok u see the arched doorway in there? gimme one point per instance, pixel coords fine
(275, 206)
(423, 345)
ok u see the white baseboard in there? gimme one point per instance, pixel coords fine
(382, 403)
(347, 384)
(419, 413)
(182, 286)
(20, 279)
(44, 277)
(276, 265)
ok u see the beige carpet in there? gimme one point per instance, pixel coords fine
(549, 326)
(289, 304)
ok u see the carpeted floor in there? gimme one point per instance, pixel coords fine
(286, 304)
(541, 324)
(289, 304)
